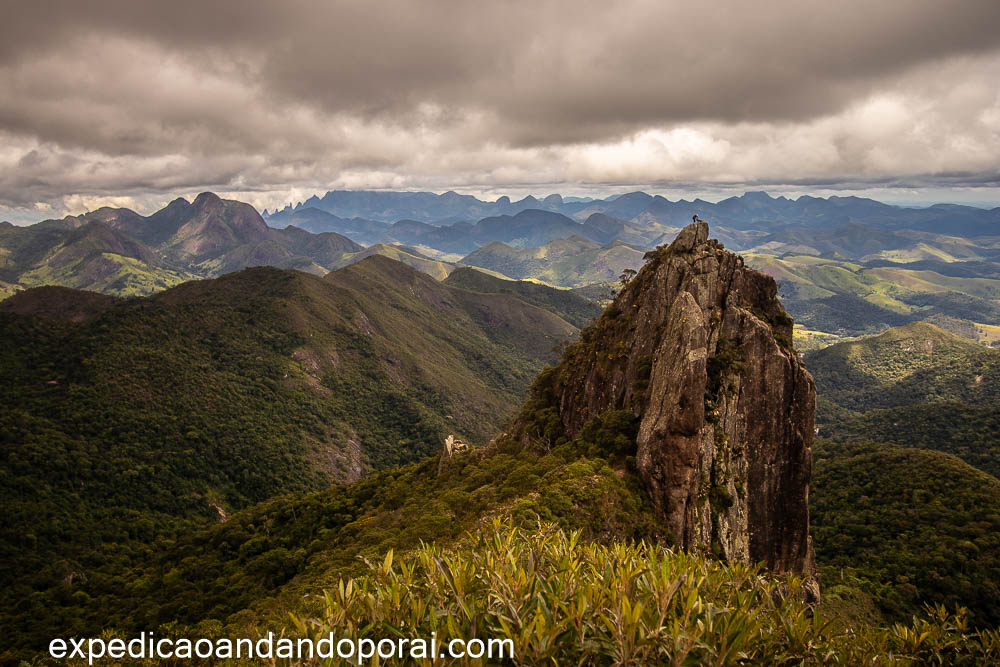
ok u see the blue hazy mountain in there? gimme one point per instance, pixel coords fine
(750, 211)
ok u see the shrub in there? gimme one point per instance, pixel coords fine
(562, 600)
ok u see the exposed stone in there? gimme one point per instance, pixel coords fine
(726, 412)
(691, 236)
(451, 447)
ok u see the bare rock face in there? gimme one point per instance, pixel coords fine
(699, 349)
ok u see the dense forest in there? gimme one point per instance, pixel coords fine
(260, 563)
(917, 386)
(143, 419)
(909, 527)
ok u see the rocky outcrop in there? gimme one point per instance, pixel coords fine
(698, 348)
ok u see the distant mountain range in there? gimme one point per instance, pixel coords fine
(120, 252)
(421, 206)
(529, 227)
(847, 266)
(754, 211)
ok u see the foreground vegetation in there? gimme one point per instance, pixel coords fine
(899, 554)
(563, 600)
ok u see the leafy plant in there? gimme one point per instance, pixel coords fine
(564, 600)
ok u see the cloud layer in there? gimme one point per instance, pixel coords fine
(113, 98)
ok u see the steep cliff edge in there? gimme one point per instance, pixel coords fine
(698, 348)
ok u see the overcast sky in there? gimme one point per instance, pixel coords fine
(132, 103)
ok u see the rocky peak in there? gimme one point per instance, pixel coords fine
(698, 348)
(207, 201)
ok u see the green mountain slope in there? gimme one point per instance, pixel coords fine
(852, 298)
(155, 414)
(58, 303)
(117, 251)
(571, 262)
(569, 305)
(911, 364)
(435, 268)
(92, 255)
(916, 385)
(915, 526)
(262, 562)
(967, 430)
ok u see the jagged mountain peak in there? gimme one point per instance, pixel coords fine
(698, 349)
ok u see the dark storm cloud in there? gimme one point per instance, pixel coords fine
(551, 66)
(113, 95)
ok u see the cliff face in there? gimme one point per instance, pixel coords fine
(698, 348)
